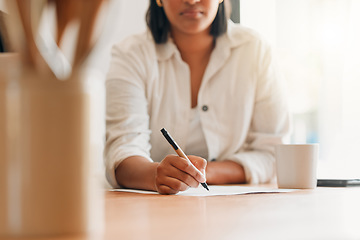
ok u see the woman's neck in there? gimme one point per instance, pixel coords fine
(194, 44)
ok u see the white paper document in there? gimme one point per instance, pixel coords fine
(217, 190)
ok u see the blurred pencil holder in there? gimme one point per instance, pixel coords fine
(48, 182)
(48, 169)
(8, 70)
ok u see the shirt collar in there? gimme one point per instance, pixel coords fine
(236, 35)
(166, 50)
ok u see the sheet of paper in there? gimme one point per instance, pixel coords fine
(217, 190)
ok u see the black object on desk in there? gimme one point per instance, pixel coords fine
(338, 182)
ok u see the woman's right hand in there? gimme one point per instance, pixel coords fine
(175, 173)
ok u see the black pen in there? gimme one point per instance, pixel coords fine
(178, 150)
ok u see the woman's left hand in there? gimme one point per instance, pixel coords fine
(224, 172)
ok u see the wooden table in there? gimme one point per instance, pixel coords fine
(322, 213)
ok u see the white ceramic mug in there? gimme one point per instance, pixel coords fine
(296, 165)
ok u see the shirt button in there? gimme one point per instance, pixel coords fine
(204, 108)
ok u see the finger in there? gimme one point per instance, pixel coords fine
(181, 176)
(186, 166)
(167, 169)
(199, 162)
(170, 185)
(163, 189)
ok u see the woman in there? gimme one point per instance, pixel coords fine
(212, 84)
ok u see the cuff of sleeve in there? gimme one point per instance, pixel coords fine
(258, 166)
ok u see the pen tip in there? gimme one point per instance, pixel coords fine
(205, 186)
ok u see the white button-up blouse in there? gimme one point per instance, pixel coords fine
(243, 111)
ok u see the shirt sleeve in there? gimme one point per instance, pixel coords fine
(127, 119)
(270, 124)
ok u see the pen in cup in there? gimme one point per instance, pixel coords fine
(178, 150)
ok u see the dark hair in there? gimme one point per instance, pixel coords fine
(159, 25)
